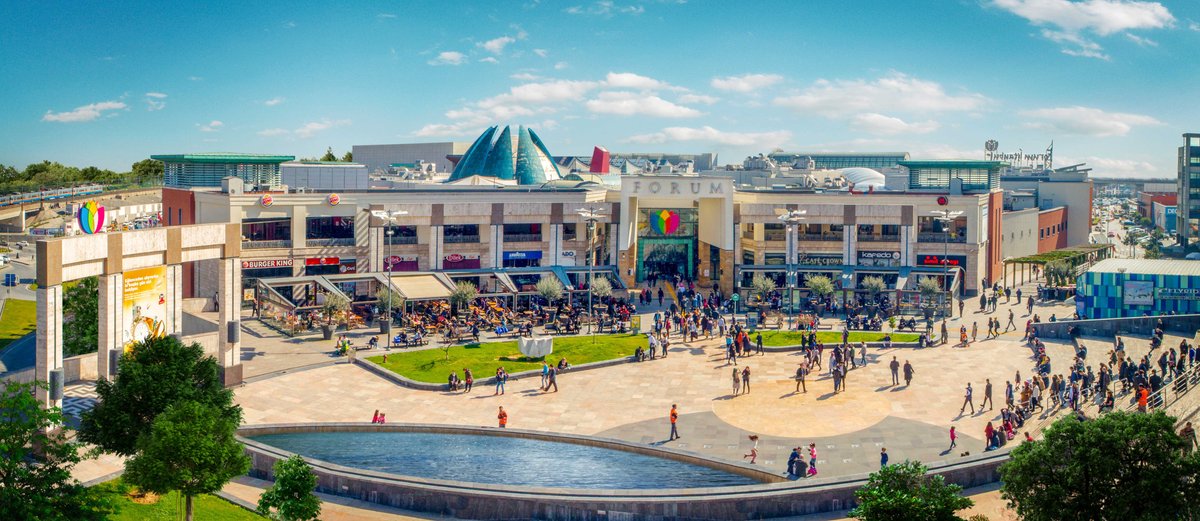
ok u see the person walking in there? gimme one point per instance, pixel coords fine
(1010, 321)
(746, 380)
(758, 341)
(674, 417)
(974, 330)
(953, 439)
(883, 457)
(967, 400)
(908, 373)
(812, 459)
(469, 378)
(987, 395)
(801, 372)
(895, 367)
(551, 380)
(737, 381)
(502, 417)
(862, 354)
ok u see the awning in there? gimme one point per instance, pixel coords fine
(420, 287)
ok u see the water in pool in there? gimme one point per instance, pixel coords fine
(500, 460)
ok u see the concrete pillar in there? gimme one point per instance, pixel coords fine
(110, 334)
(174, 323)
(495, 247)
(229, 321)
(613, 231)
(437, 246)
(49, 355)
(910, 245)
(376, 250)
(299, 226)
(849, 239)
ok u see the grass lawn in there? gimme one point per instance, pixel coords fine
(430, 365)
(792, 338)
(18, 320)
(171, 507)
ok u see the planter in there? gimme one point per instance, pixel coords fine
(327, 332)
(385, 327)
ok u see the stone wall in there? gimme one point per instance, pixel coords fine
(1187, 325)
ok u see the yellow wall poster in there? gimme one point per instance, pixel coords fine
(144, 309)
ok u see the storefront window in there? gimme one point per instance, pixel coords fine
(531, 232)
(569, 231)
(460, 233)
(330, 228)
(401, 234)
(267, 230)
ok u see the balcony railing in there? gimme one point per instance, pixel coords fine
(522, 237)
(459, 239)
(775, 236)
(401, 240)
(879, 238)
(347, 241)
(827, 236)
(267, 244)
(941, 237)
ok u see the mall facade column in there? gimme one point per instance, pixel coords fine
(849, 241)
(111, 295)
(229, 352)
(49, 343)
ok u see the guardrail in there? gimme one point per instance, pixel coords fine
(346, 241)
(879, 238)
(459, 239)
(522, 237)
(267, 244)
(941, 237)
(402, 240)
(1174, 397)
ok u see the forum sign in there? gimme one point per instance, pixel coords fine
(1020, 158)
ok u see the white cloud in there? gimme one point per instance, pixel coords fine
(154, 101)
(525, 76)
(1072, 20)
(605, 8)
(1085, 121)
(702, 99)
(87, 112)
(629, 80)
(560, 66)
(1144, 42)
(631, 103)
(212, 126)
(1193, 25)
(313, 127)
(879, 124)
(525, 100)
(272, 132)
(541, 52)
(385, 15)
(195, 78)
(274, 101)
(497, 45)
(943, 151)
(707, 134)
(746, 82)
(895, 92)
(289, 24)
(489, 59)
(449, 58)
(1109, 167)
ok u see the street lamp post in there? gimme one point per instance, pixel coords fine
(791, 220)
(591, 216)
(947, 218)
(390, 219)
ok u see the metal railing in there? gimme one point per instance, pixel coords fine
(774, 236)
(879, 238)
(346, 241)
(828, 236)
(402, 240)
(267, 244)
(1173, 398)
(941, 237)
(459, 239)
(522, 237)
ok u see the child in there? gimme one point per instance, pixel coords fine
(753, 450)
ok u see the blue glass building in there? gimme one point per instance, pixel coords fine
(522, 158)
(1115, 288)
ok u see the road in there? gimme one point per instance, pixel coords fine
(19, 354)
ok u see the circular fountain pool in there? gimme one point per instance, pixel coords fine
(501, 460)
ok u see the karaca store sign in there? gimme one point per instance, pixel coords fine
(266, 263)
(322, 261)
(957, 261)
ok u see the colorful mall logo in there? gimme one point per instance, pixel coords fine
(334, 199)
(664, 222)
(266, 200)
(91, 217)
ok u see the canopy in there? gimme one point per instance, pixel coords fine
(423, 286)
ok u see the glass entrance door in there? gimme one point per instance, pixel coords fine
(666, 258)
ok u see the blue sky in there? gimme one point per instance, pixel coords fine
(108, 84)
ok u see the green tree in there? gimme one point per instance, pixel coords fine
(291, 498)
(905, 492)
(329, 155)
(549, 288)
(601, 287)
(190, 448)
(1118, 466)
(155, 374)
(1058, 273)
(819, 285)
(464, 293)
(348, 157)
(873, 285)
(335, 307)
(762, 286)
(81, 324)
(37, 484)
(147, 170)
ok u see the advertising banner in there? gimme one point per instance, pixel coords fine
(1139, 293)
(144, 307)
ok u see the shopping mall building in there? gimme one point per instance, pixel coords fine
(508, 217)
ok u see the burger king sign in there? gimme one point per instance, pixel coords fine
(334, 199)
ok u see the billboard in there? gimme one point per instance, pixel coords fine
(144, 307)
(1139, 292)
